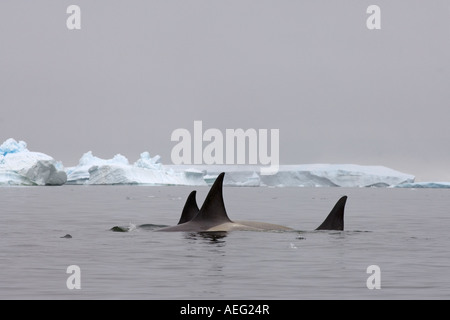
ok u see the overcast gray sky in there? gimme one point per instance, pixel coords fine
(137, 70)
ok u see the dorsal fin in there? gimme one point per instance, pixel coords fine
(190, 209)
(213, 209)
(335, 220)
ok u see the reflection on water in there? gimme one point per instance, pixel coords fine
(208, 260)
(215, 237)
(132, 227)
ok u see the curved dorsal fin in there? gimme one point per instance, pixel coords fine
(190, 209)
(213, 209)
(335, 220)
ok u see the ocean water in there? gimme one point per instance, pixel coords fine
(402, 231)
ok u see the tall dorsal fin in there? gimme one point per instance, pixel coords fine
(190, 209)
(335, 220)
(213, 209)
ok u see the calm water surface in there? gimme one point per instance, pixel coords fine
(403, 231)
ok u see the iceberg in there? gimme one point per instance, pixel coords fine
(80, 173)
(11, 178)
(149, 170)
(423, 185)
(308, 175)
(337, 175)
(92, 170)
(21, 167)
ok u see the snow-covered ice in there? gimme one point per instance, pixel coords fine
(80, 173)
(19, 166)
(309, 175)
(146, 170)
(150, 171)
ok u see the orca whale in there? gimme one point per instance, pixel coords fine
(190, 209)
(212, 216)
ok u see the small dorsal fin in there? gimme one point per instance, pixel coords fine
(213, 209)
(190, 209)
(335, 220)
